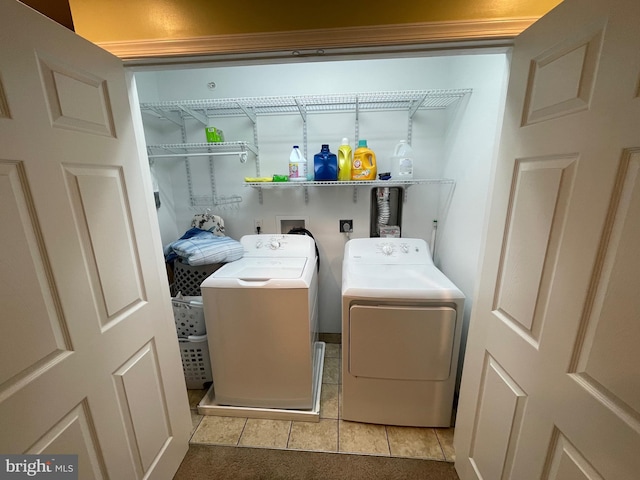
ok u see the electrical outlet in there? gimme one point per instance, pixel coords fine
(257, 225)
(346, 226)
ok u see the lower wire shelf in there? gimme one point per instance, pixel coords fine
(260, 186)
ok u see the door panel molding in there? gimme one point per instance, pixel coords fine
(605, 351)
(501, 404)
(43, 338)
(540, 193)
(76, 100)
(4, 105)
(561, 80)
(75, 432)
(102, 215)
(143, 406)
(565, 461)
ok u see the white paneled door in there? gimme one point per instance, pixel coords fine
(551, 382)
(89, 361)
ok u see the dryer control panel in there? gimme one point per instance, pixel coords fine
(386, 251)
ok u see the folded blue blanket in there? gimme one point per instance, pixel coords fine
(205, 248)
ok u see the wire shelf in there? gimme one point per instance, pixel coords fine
(355, 183)
(200, 149)
(410, 100)
(210, 200)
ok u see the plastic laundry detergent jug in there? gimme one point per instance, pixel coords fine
(402, 162)
(345, 158)
(325, 165)
(297, 165)
(364, 163)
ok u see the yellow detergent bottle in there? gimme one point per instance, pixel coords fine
(364, 163)
(345, 158)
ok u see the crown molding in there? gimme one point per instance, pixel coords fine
(318, 39)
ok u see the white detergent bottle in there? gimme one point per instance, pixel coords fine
(297, 166)
(402, 162)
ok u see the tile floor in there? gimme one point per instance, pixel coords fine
(331, 434)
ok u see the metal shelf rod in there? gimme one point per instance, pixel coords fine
(211, 154)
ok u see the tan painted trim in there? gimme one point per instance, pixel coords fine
(380, 35)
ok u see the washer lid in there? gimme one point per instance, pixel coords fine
(263, 268)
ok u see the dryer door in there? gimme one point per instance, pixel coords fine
(402, 343)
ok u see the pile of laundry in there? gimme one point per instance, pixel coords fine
(204, 243)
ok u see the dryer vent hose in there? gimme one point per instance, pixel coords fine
(304, 231)
(384, 207)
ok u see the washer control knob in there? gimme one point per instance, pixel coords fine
(274, 244)
(259, 244)
(387, 249)
(405, 248)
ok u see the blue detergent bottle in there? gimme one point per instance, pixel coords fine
(325, 165)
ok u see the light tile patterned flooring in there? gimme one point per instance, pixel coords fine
(331, 434)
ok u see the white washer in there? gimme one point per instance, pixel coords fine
(401, 324)
(261, 314)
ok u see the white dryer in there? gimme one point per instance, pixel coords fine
(261, 314)
(401, 325)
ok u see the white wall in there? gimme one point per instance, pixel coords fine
(457, 144)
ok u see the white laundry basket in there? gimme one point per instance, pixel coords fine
(187, 278)
(188, 314)
(196, 362)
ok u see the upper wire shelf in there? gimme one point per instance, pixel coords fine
(410, 100)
